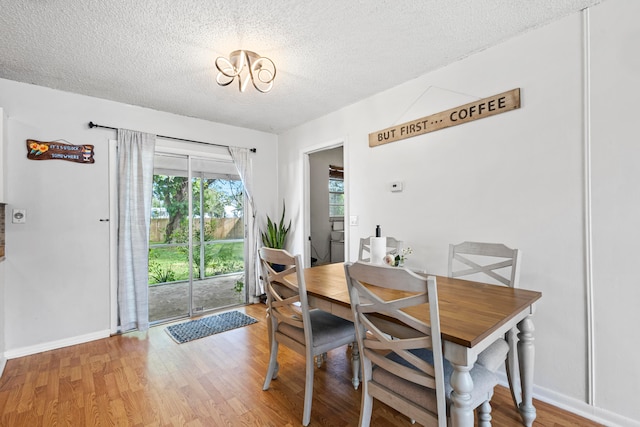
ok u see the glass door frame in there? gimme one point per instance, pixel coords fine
(189, 155)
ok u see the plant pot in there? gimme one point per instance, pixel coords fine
(278, 267)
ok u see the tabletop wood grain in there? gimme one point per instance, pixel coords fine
(469, 311)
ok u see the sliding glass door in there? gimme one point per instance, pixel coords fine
(218, 236)
(196, 255)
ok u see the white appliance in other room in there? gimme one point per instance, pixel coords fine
(336, 246)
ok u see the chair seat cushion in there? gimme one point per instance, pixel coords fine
(326, 329)
(483, 382)
(493, 356)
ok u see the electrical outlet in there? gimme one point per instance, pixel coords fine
(353, 220)
(19, 216)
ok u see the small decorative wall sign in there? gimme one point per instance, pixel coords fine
(479, 109)
(56, 150)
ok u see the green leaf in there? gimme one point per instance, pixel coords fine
(275, 235)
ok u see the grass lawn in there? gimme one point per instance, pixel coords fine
(169, 264)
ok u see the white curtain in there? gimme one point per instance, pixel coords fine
(135, 186)
(242, 161)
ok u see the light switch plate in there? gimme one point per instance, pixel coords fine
(353, 220)
(396, 187)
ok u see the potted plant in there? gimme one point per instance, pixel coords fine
(276, 234)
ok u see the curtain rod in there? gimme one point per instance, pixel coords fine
(95, 125)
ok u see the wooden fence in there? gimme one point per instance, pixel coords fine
(224, 228)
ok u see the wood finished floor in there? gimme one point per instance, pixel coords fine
(149, 380)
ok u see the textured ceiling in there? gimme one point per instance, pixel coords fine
(329, 53)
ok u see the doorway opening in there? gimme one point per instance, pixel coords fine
(197, 238)
(326, 205)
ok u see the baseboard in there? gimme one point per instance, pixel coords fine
(583, 409)
(53, 345)
(3, 363)
(577, 406)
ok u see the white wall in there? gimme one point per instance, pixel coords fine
(616, 204)
(56, 284)
(3, 157)
(516, 178)
(3, 359)
(3, 170)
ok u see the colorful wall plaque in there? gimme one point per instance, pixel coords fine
(38, 150)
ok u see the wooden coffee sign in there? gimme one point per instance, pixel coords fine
(37, 150)
(480, 109)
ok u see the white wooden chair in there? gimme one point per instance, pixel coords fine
(502, 264)
(402, 357)
(364, 253)
(290, 321)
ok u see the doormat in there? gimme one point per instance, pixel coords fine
(200, 328)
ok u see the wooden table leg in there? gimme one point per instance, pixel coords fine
(526, 353)
(461, 410)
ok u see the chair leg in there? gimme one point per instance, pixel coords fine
(366, 409)
(308, 390)
(320, 359)
(513, 369)
(484, 414)
(355, 365)
(272, 370)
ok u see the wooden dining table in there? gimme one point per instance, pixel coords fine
(472, 316)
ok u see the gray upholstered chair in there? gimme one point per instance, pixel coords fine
(402, 357)
(364, 253)
(311, 333)
(476, 260)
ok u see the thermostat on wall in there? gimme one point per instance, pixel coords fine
(396, 187)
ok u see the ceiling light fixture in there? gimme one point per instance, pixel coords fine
(246, 65)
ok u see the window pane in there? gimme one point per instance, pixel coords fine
(336, 210)
(336, 185)
(336, 199)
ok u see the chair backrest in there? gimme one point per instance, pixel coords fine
(382, 327)
(364, 253)
(286, 301)
(470, 258)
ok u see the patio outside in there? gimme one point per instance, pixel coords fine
(170, 300)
